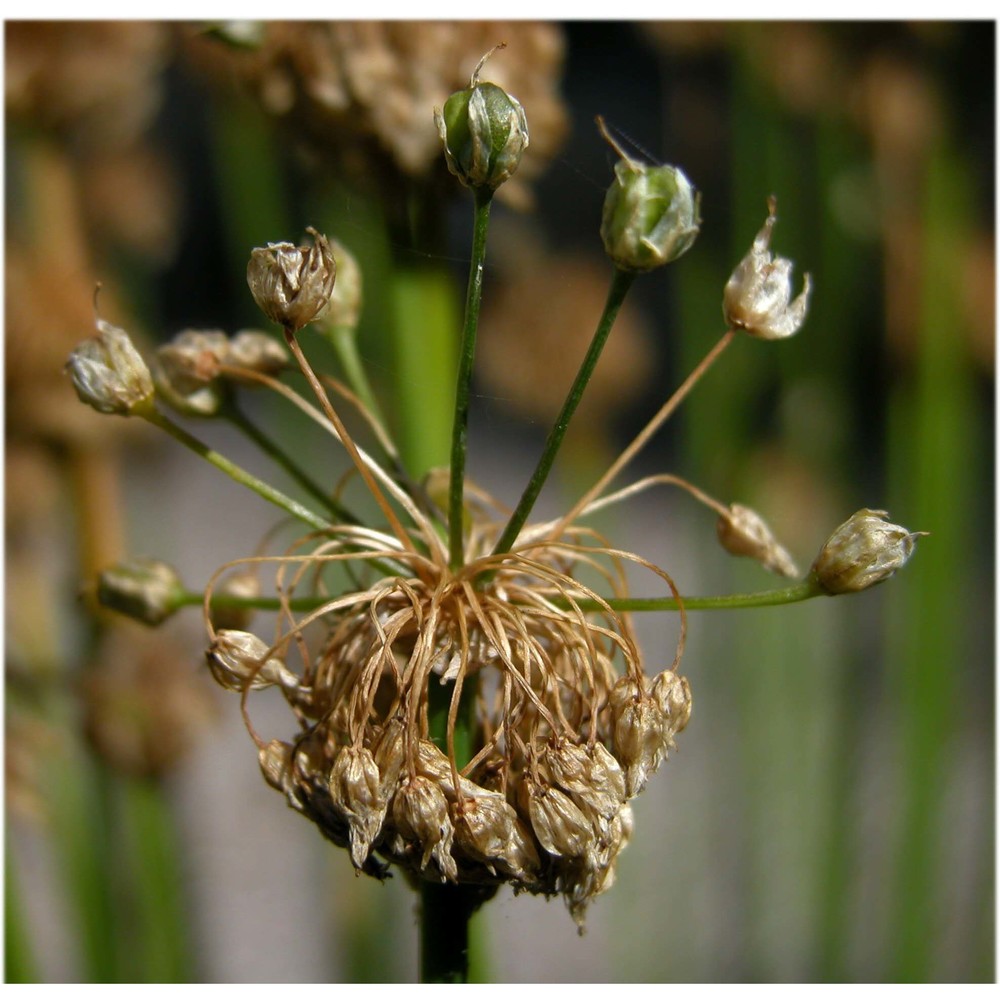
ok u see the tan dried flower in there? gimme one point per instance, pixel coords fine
(743, 532)
(758, 295)
(109, 374)
(866, 549)
(292, 285)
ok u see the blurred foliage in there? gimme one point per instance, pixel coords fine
(831, 817)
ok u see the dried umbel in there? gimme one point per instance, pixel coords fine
(540, 802)
(866, 549)
(292, 285)
(758, 296)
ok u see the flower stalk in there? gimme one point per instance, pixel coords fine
(463, 386)
(621, 282)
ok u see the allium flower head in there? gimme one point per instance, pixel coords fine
(758, 295)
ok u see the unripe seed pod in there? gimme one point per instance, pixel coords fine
(650, 214)
(484, 132)
(145, 589)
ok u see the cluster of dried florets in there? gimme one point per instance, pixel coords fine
(565, 726)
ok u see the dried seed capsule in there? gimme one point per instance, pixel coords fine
(145, 589)
(673, 694)
(292, 285)
(420, 814)
(863, 551)
(257, 351)
(276, 764)
(345, 302)
(108, 373)
(191, 360)
(484, 827)
(559, 824)
(591, 776)
(357, 792)
(637, 732)
(758, 296)
(743, 532)
(241, 583)
(236, 658)
(484, 132)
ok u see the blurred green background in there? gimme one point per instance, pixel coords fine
(829, 814)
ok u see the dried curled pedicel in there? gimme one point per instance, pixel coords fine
(109, 374)
(650, 215)
(866, 549)
(484, 132)
(743, 532)
(148, 590)
(292, 285)
(758, 296)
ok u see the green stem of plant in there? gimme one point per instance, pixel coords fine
(240, 420)
(621, 282)
(344, 340)
(460, 425)
(234, 471)
(803, 591)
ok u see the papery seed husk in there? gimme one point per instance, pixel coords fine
(356, 790)
(673, 694)
(276, 764)
(559, 824)
(420, 813)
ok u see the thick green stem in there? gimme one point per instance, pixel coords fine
(621, 282)
(239, 419)
(234, 471)
(463, 390)
(445, 909)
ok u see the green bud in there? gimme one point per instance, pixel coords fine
(650, 214)
(484, 132)
(147, 590)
